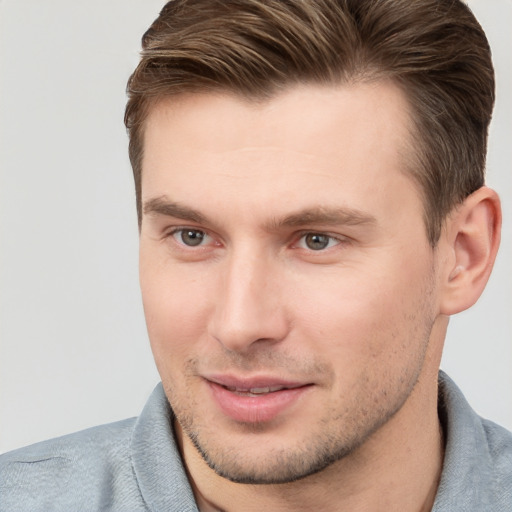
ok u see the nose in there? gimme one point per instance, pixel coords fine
(249, 308)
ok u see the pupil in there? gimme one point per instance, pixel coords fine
(192, 237)
(317, 242)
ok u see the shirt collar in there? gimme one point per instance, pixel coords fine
(156, 460)
(466, 479)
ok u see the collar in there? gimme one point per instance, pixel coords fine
(469, 477)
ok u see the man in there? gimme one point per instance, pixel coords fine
(312, 209)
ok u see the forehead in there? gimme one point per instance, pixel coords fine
(328, 143)
(300, 111)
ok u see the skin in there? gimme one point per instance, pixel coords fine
(360, 323)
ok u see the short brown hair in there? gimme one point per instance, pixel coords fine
(435, 50)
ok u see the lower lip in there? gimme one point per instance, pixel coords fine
(255, 409)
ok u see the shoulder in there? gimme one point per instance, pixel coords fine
(92, 466)
(499, 446)
(492, 480)
(93, 444)
(132, 465)
(477, 469)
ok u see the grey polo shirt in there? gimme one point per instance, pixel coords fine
(134, 465)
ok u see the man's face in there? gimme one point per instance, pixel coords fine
(288, 285)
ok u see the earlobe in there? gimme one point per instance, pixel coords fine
(473, 236)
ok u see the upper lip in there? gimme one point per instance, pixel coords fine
(254, 383)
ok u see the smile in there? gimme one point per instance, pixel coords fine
(254, 402)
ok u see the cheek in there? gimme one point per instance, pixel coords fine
(361, 313)
(176, 310)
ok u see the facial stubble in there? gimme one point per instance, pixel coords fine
(335, 436)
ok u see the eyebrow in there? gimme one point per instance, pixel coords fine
(325, 215)
(316, 215)
(162, 206)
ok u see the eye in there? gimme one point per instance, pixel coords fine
(190, 237)
(317, 241)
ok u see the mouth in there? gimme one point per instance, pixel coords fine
(258, 391)
(255, 400)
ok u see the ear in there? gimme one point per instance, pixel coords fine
(471, 238)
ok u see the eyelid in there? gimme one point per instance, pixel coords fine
(172, 232)
(336, 237)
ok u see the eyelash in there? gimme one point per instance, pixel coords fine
(329, 239)
(302, 235)
(176, 231)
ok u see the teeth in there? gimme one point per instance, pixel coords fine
(259, 391)
(256, 391)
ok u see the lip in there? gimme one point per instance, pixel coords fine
(254, 400)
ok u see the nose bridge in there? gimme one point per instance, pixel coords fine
(248, 308)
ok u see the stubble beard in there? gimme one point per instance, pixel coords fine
(332, 438)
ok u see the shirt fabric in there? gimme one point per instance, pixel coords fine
(134, 465)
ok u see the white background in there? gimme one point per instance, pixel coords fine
(73, 347)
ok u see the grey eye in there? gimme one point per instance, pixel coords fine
(191, 237)
(316, 241)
